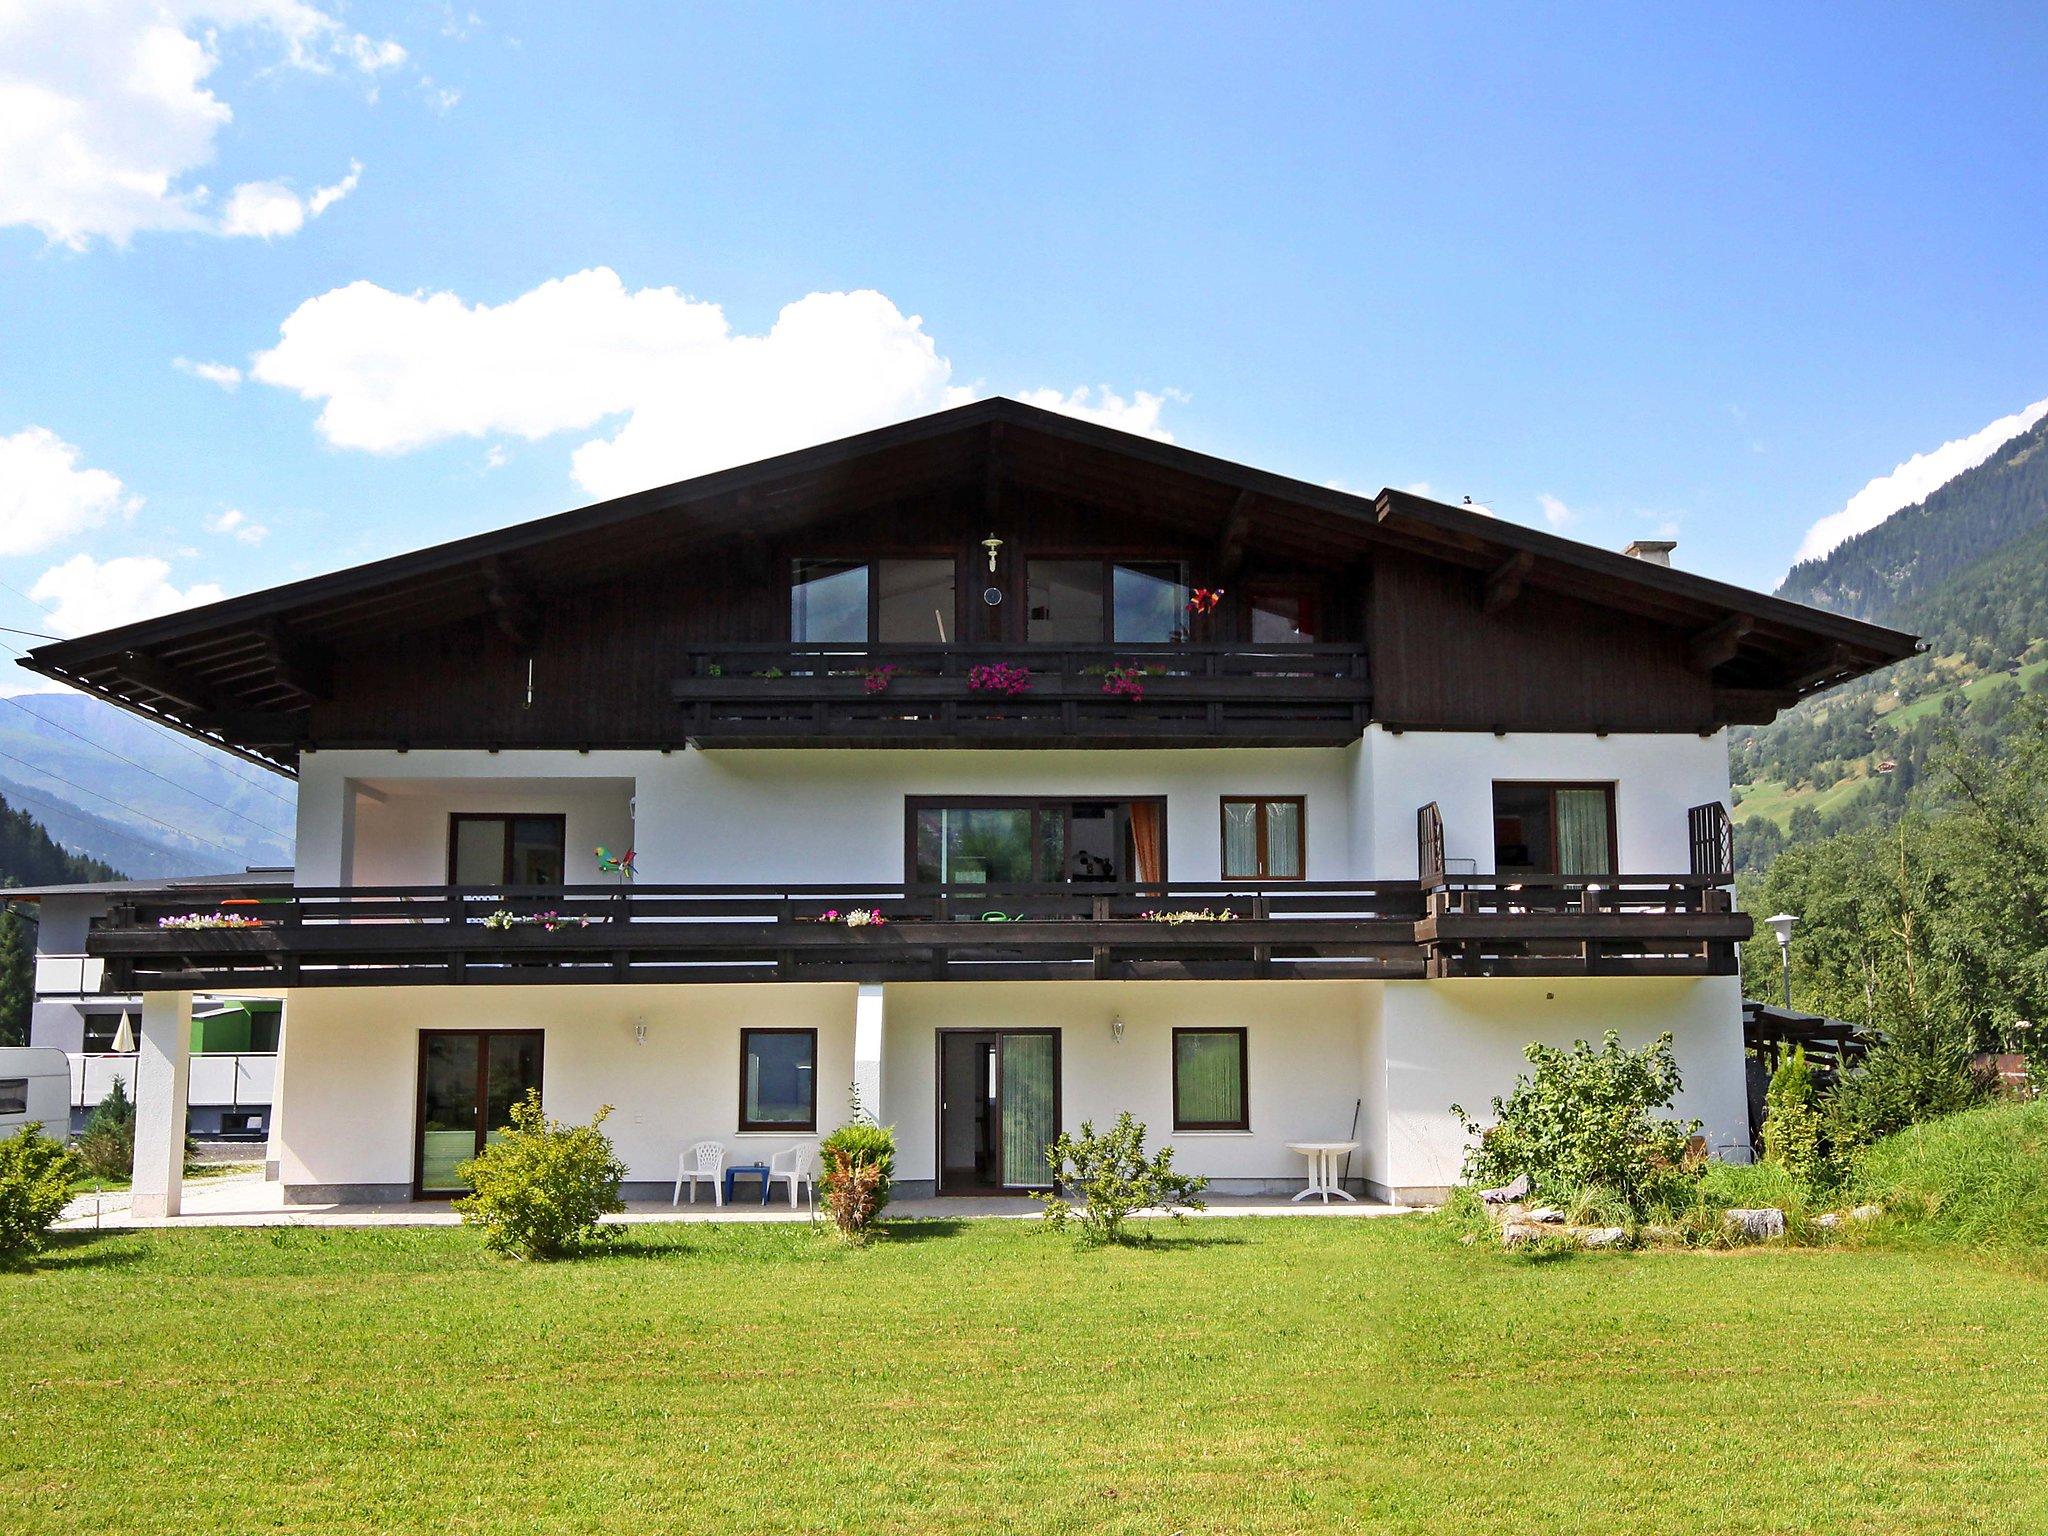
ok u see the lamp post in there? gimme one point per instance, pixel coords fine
(1782, 926)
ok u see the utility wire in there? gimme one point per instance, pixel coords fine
(131, 810)
(164, 778)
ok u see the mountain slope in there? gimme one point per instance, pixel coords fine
(1914, 551)
(29, 856)
(118, 788)
(1967, 569)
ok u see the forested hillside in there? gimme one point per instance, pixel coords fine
(28, 856)
(1967, 569)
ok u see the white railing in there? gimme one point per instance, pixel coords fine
(229, 1079)
(68, 975)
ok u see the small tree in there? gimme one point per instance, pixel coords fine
(107, 1144)
(857, 1167)
(1793, 1123)
(1114, 1177)
(1586, 1117)
(542, 1189)
(35, 1181)
(1918, 1071)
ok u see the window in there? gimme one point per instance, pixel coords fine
(778, 1079)
(1085, 602)
(855, 602)
(505, 850)
(1208, 1080)
(1553, 829)
(1262, 837)
(13, 1095)
(1283, 615)
(1032, 841)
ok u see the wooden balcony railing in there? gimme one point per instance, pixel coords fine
(1077, 695)
(260, 937)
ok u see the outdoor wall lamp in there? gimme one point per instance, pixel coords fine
(1116, 1028)
(994, 547)
(639, 1034)
(1782, 925)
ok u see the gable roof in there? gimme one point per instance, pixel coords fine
(216, 672)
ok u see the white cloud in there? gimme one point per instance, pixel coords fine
(1139, 414)
(1556, 513)
(1913, 482)
(268, 209)
(84, 594)
(235, 524)
(396, 372)
(105, 113)
(45, 497)
(226, 375)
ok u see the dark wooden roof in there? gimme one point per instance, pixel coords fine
(226, 672)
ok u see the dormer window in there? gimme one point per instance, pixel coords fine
(859, 602)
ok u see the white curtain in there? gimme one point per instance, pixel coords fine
(1283, 840)
(1240, 840)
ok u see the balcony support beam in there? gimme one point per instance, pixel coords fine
(163, 1076)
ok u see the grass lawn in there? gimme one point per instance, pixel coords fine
(1250, 1375)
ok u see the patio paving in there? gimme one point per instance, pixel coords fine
(246, 1200)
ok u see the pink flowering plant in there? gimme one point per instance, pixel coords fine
(877, 679)
(210, 920)
(1126, 681)
(505, 919)
(857, 917)
(999, 677)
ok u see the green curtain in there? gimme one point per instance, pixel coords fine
(1207, 1076)
(1028, 1112)
(1582, 847)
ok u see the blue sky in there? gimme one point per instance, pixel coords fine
(1621, 271)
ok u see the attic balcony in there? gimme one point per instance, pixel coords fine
(900, 695)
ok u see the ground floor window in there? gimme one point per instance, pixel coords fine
(1553, 829)
(1209, 1080)
(1262, 837)
(778, 1079)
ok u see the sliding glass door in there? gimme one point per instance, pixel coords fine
(468, 1082)
(999, 1108)
(1028, 1092)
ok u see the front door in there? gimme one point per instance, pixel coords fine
(999, 1109)
(469, 1081)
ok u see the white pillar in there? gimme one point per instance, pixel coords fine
(867, 1048)
(273, 1144)
(162, 1073)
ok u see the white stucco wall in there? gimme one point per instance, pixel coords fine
(744, 815)
(1461, 1042)
(349, 1093)
(1656, 778)
(1302, 1077)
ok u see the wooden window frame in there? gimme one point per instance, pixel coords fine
(747, 1127)
(1109, 563)
(1244, 1078)
(1610, 787)
(456, 818)
(1300, 804)
(912, 804)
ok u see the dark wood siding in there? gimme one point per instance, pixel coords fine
(1543, 662)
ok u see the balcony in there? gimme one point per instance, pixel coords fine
(786, 695)
(1387, 930)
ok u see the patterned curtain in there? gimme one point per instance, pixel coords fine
(1283, 840)
(1028, 1112)
(1582, 847)
(1240, 840)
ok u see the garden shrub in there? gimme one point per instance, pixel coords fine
(543, 1187)
(1114, 1177)
(1919, 1071)
(1793, 1125)
(107, 1144)
(35, 1181)
(1586, 1117)
(857, 1168)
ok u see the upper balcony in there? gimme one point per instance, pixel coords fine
(900, 695)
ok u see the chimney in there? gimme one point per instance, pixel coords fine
(1656, 551)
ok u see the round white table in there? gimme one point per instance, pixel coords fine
(1322, 1168)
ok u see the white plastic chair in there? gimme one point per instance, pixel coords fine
(793, 1166)
(702, 1164)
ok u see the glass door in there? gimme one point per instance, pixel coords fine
(469, 1081)
(1028, 1095)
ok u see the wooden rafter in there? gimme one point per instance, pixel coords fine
(1504, 581)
